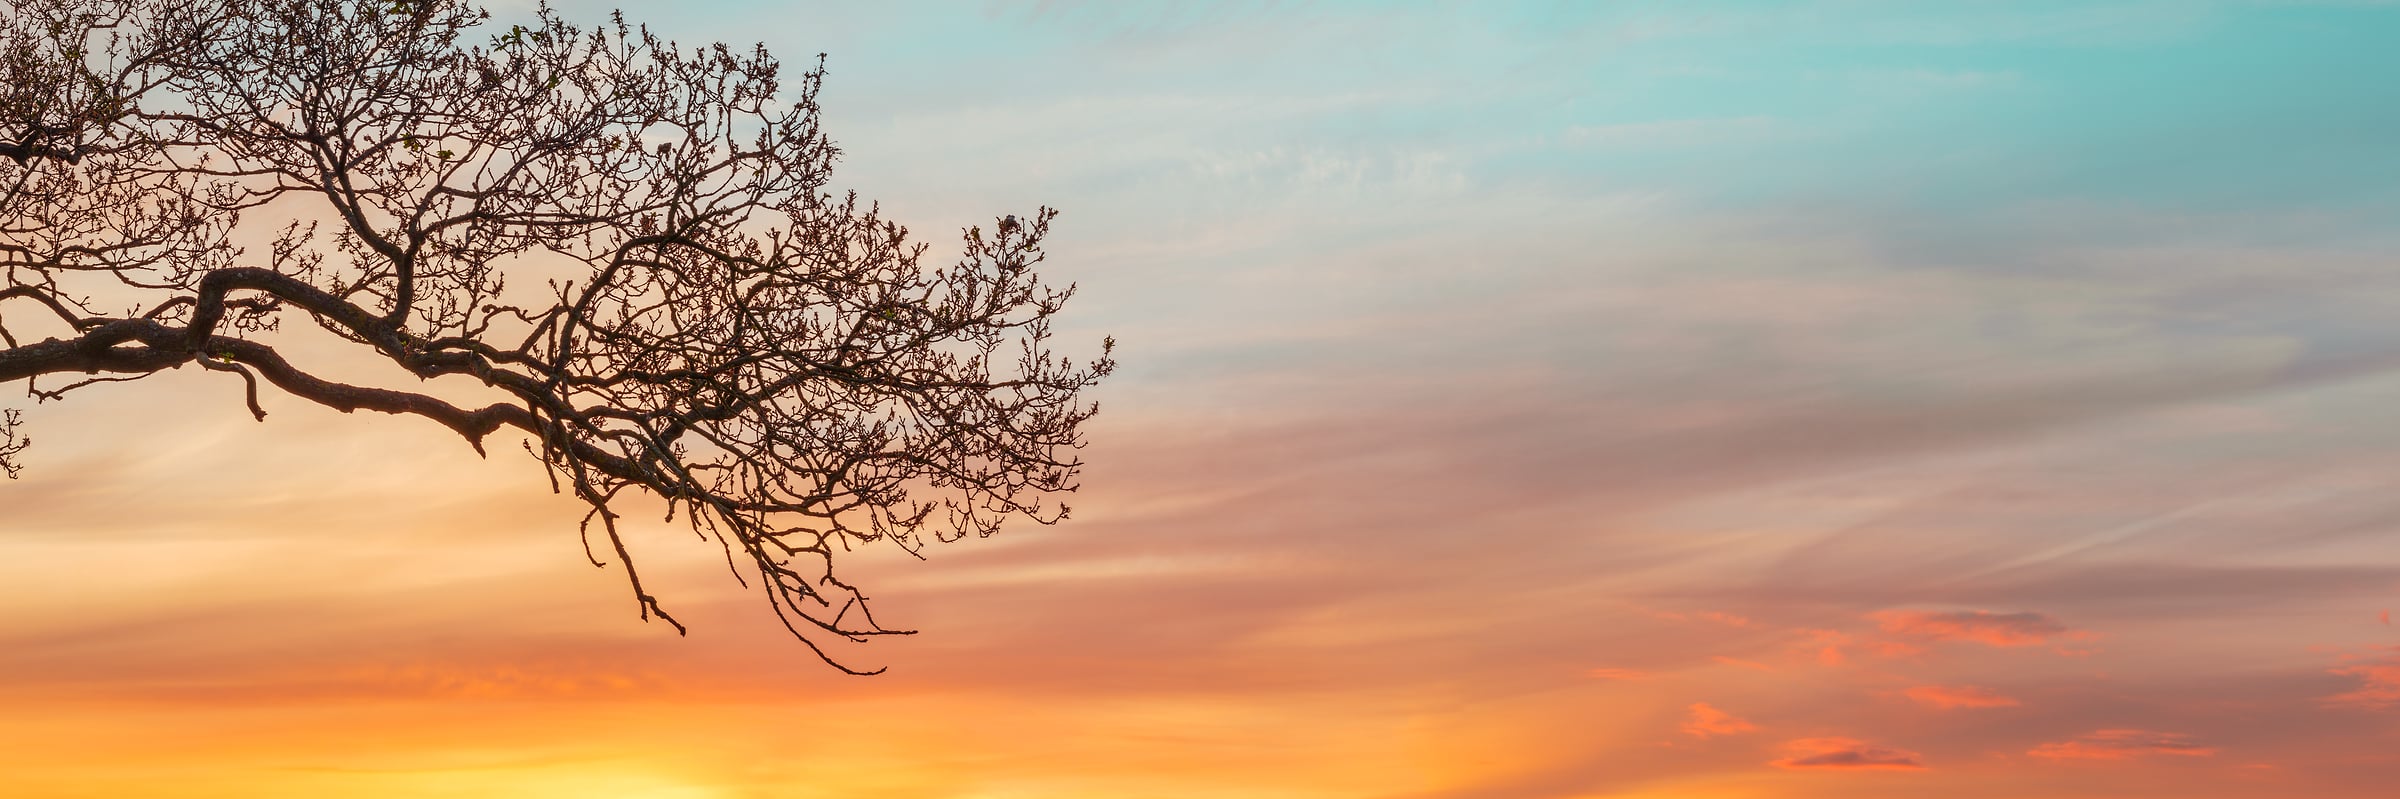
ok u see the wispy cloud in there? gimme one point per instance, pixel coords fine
(1952, 697)
(1707, 721)
(1983, 627)
(1846, 754)
(2122, 744)
(2379, 676)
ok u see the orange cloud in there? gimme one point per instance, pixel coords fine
(1950, 697)
(2381, 678)
(1845, 754)
(1616, 674)
(2122, 745)
(1715, 616)
(1893, 649)
(1983, 627)
(1707, 721)
(1828, 644)
(1747, 664)
(1729, 620)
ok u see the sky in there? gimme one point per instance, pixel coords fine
(1708, 400)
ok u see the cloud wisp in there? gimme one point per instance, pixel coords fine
(1955, 697)
(2122, 744)
(1845, 754)
(2379, 676)
(1707, 722)
(1982, 627)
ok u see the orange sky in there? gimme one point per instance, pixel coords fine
(1500, 419)
(1312, 610)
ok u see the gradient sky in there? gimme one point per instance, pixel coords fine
(1708, 400)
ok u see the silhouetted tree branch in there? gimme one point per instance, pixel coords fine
(782, 366)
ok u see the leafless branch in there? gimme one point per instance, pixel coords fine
(696, 317)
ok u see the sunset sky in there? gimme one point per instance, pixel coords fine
(1631, 400)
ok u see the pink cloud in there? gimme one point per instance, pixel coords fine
(1712, 616)
(1951, 697)
(1708, 721)
(1846, 754)
(2122, 745)
(2380, 677)
(1729, 620)
(1886, 648)
(1983, 627)
(1828, 644)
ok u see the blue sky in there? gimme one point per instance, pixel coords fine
(2199, 104)
(1207, 144)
